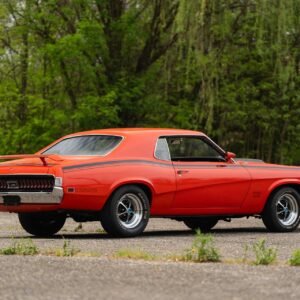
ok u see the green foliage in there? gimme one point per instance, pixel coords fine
(66, 250)
(263, 255)
(295, 258)
(245, 255)
(203, 249)
(227, 67)
(134, 254)
(21, 247)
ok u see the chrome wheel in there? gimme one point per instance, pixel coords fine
(281, 212)
(287, 209)
(129, 210)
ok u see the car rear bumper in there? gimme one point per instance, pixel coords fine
(54, 197)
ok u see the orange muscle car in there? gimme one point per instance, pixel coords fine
(121, 177)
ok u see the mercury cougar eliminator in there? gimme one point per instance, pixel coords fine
(122, 177)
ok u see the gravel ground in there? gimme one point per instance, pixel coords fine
(48, 277)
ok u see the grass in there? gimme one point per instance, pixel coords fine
(202, 249)
(66, 250)
(134, 254)
(245, 255)
(20, 247)
(264, 255)
(295, 258)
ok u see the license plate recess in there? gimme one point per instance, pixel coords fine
(11, 200)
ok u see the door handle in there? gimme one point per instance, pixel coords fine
(221, 166)
(180, 172)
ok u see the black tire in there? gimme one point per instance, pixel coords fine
(282, 211)
(203, 223)
(131, 221)
(42, 224)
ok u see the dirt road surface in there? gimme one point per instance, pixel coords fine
(105, 277)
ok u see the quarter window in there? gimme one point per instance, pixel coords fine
(162, 149)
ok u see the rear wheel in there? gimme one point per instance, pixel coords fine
(203, 223)
(42, 224)
(126, 213)
(282, 211)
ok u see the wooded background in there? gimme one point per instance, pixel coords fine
(230, 68)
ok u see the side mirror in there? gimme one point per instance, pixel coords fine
(229, 156)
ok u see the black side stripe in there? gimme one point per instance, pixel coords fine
(117, 162)
(168, 165)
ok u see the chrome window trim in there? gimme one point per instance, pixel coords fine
(204, 138)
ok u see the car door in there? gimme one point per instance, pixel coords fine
(204, 179)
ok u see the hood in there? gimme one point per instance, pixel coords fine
(260, 163)
(249, 161)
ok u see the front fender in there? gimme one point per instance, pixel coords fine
(277, 184)
(282, 182)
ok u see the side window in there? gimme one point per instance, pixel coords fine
(190, 148)
(162, 149)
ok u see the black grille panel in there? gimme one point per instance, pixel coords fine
(26, 183)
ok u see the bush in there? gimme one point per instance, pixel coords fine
(264, 256)
(202, 249)
(22, 247)
(295, 258)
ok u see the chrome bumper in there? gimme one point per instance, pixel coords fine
(53, 197)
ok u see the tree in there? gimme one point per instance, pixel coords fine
(227, 67)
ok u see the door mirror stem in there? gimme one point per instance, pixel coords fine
(229, 156)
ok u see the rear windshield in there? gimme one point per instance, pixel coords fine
(85, 145)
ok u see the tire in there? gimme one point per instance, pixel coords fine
(204, 223)
(282, 211)
(42, 224)
(126, 214)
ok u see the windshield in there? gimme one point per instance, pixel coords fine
(85, 145)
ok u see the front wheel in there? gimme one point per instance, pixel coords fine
(282, 211)
(126, 213)
(202, 223)
(42, 224)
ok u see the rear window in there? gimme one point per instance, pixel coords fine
(85, 145)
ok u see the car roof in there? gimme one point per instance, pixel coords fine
(139, 131)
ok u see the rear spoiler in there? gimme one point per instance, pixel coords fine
(40, 156)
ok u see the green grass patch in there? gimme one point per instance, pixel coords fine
(66, 250)
(20, 247)
(134, 254)
(202, 250)
(295, 258)
(264, 255)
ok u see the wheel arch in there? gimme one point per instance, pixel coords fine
(146, 186)
(279, 185)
